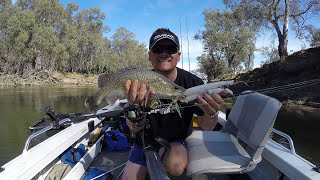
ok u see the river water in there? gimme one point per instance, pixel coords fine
(22, 106)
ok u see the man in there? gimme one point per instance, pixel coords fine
(164, 55)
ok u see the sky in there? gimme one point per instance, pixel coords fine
(143, 17)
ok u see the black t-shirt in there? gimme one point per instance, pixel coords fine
(171, 126)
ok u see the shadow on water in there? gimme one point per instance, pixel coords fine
(303, 127)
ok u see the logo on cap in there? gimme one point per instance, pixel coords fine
(162, 36)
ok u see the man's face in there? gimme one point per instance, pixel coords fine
(164, 56)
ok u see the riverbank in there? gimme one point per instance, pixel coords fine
(301, 66)
(47, 78)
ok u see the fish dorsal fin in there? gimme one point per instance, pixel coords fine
(177, 87)
(104, 77)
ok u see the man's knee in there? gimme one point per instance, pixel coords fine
(177, 159)
(134, 171)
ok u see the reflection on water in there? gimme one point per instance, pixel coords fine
(20, 107)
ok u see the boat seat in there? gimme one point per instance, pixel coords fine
(237, 147)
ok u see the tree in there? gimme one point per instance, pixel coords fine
(314, 36)
(89, 38)
(212, 68)
(49, 13)
(4, 4)
(26, 4)
(228, 38)
(127, 52)
(70, 9)
(19, 33)
(270, 52)
(49, 52)
(277, 15)
(6, 11)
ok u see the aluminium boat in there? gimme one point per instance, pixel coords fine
(42, 160)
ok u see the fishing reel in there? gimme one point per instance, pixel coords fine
(136, 114)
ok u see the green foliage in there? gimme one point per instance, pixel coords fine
(4, 4)
(47, 47)
(40, 35)
(18, 36)
(314, 36)
(126, 51)
(270, 53)
(212, 68)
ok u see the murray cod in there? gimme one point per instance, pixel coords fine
(111, 86)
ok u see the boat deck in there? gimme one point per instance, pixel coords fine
(107, 161)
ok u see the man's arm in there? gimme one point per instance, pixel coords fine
(207, 123)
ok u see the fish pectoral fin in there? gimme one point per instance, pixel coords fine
(112, 100)
(113, 96)
(145, 103)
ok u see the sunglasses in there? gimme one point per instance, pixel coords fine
(167, 49)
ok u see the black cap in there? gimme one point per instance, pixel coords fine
(163, 33)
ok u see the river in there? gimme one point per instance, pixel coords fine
(22, 106)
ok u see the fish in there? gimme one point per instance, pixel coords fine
(112, 86)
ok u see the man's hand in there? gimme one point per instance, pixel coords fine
(210, 104)
(136, 93)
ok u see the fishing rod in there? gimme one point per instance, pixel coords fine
(286, 87)
(270, 90)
